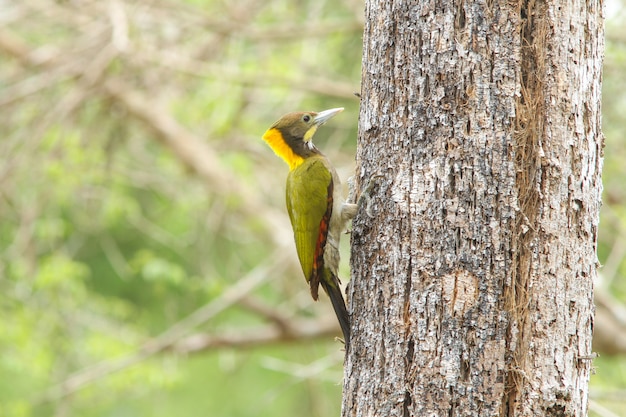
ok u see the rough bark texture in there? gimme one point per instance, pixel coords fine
(472, 282)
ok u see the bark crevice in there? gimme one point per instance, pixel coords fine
(529, 129)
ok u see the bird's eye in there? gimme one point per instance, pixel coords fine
(306, 118)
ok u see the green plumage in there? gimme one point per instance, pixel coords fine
(307, 203)
(310, 203)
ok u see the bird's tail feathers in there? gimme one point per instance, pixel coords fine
(332, 288)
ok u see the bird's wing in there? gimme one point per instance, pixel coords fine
(310, 203)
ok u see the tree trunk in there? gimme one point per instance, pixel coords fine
(473, 270)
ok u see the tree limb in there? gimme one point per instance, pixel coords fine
(298, 331)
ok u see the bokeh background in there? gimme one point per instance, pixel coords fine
(146, 260)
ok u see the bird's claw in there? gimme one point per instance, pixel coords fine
(365, 195)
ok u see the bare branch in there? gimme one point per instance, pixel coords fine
(297, 332)
(280, 319)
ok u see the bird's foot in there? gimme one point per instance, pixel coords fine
(350, 208)
(366, 195)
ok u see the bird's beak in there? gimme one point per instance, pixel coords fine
(323, 116)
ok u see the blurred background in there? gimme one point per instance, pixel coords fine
(146, 259)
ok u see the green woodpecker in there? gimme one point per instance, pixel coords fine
(315, 204)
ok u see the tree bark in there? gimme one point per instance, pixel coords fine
(472, 273)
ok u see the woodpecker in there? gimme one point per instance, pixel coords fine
(315, 204)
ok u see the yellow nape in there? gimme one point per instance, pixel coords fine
(275, 139)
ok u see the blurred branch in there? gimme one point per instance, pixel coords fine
(607, 393)
(301, 31)
(171, 336)
(609, 331)
(239, 14)
(115, 257)
(615, 258)
(30, 86)
(316, 369)
(295, 331)
(119, 24)
(87, 73)
(601, 410)
(185, 145)
(197, 68)
(196, 155)
(190, 149)
(280, 319)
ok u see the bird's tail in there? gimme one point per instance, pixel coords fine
(332, 287)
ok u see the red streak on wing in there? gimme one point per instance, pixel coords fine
(318, 257)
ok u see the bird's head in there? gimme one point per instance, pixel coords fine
(291, 136)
